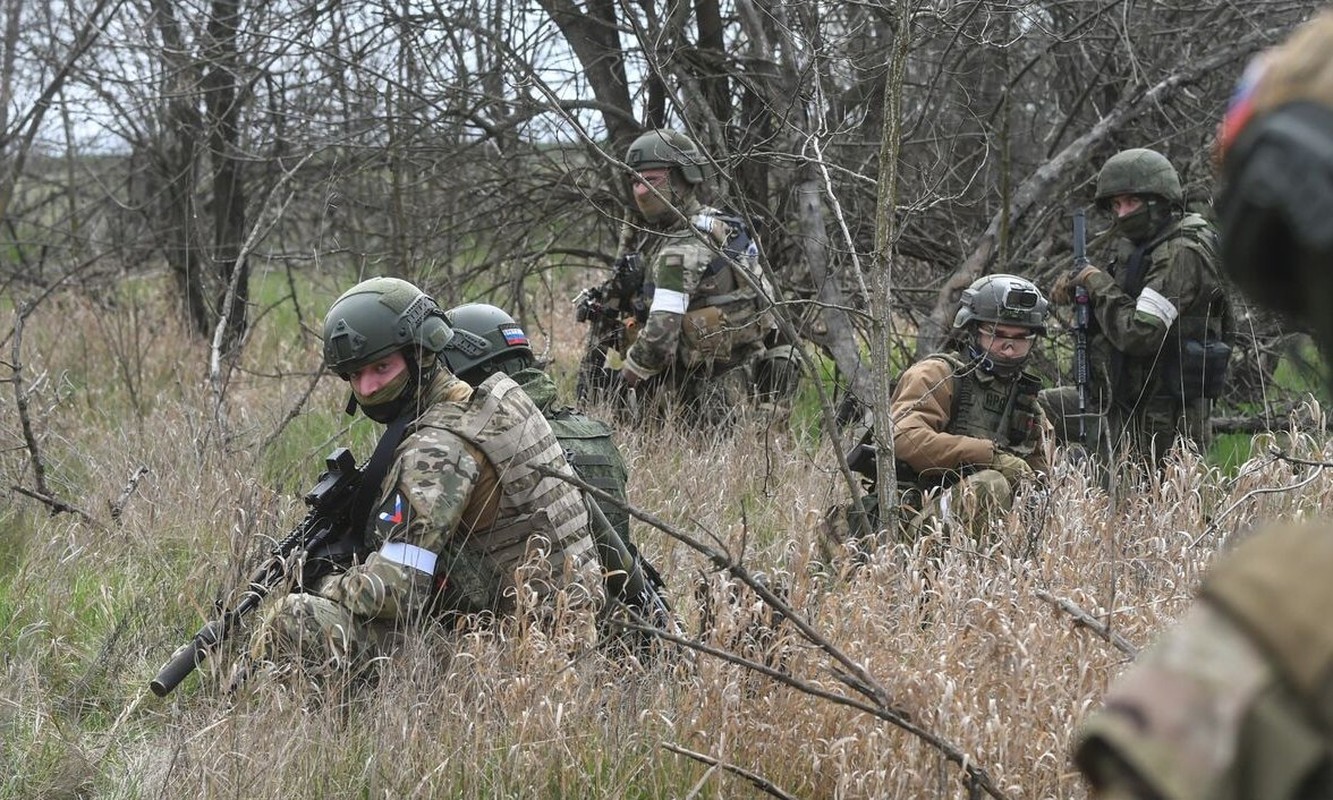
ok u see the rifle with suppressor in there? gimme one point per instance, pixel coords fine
(1082, 319)
(609, 308)
(320, 544)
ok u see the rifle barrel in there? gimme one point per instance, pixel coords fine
(325, 523)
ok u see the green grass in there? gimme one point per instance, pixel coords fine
(1302, 370)
(1229, 451)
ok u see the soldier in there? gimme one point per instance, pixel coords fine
(701, 345)
(488, 341)
(461, 519)
(967, 430)
(1236, 701)
(1161, 322)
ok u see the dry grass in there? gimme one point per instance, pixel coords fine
(961, 641)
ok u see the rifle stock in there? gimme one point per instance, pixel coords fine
(1082, 319)
(324, 541)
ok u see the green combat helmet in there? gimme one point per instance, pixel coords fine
(376, 318)
(1138, 171)
(485, 339)
(665, 149)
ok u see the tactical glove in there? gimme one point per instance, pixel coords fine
(1013, 468)
(1063, 290)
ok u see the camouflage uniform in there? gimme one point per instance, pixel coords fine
(486, 342)
(1157, 296)
(705, 329)
(464, 524)
(1236, 700)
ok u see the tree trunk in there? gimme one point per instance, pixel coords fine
(223, 103)
(881, 271)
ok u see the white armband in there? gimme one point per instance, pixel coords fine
(409, 555)
(669, 300)
(1152, 303)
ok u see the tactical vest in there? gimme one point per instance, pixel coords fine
(596, 459)
(497, 420)
(985, 406)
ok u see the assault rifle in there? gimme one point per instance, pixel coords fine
(323, 541)
(1082, 319)
(608, 308)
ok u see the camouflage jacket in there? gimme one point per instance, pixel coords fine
(699, 310)
(934, 434)
(1147, 300)
(465, 517)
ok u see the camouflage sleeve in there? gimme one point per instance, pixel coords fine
(1224, 701)
(1137, 326)
(676, 272)
(920, 410)
(433, 480)
(1172, 723)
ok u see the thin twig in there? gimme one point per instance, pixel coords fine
(21, 401)
(1090, 622)
(858, 680)
(724, 562)
(950, 752)
(118, 505)
(1213, 524)
(293, 412)
(760, 783)
(1283, 456)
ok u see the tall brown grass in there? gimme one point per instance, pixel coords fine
(956, 631)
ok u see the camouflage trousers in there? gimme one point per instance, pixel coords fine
(1149, 432)
(968, 506)
(708, 396)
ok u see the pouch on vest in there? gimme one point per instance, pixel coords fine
(704, 336)
(1199, 371)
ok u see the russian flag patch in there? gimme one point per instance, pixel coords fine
(514, 336)
(393, 510)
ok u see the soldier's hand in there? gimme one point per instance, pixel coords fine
(630, 377)
(1063, 290)
(1013, 468)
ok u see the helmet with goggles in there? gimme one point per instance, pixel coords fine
(1004, 300)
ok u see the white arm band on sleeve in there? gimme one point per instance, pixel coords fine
(409, 555)
(1152, 303)
(669, 300)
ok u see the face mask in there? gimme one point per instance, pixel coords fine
(385, 404)
(1136, 226)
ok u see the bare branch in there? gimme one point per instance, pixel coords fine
(1090, 622)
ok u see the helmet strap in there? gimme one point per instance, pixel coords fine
(986, 362)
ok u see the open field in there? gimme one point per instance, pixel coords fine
(971, 647)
